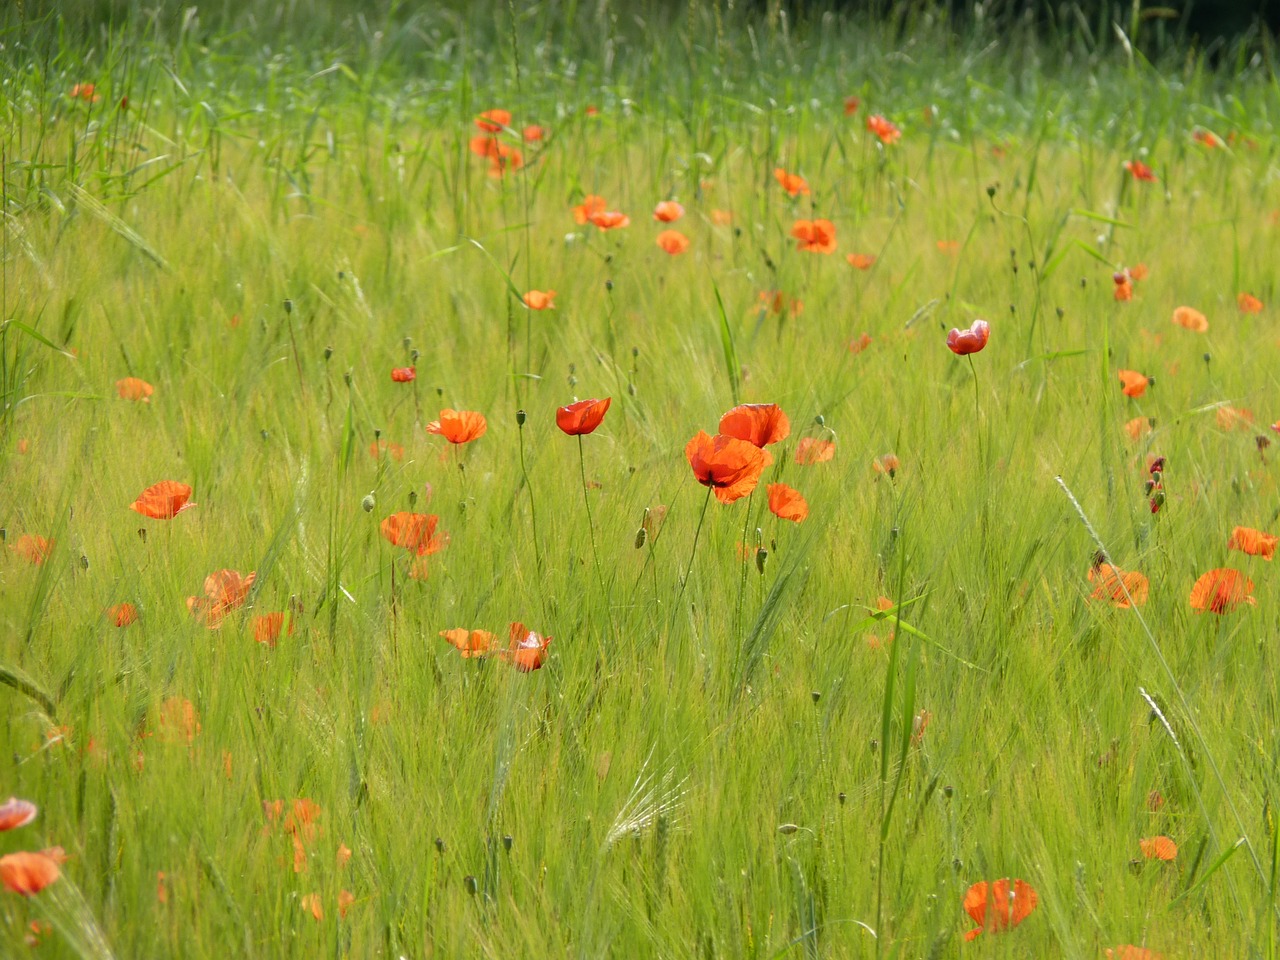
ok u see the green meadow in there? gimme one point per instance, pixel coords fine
(748, 736)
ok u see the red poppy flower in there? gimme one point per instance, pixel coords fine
(35, 550)
(1248, 303)
(786, 503)
(416, 532)
(811, 450)
(532, 133)
(1221, 591)
(815, 236)
(1140, 171)
(964, 342)
(858, 344)
(131, 388)
(267, 627)
(889, 464)
(851, 105)
(1112, 584)
(86, 92)
(761, 424)
(590, 204)
(470, 643)
(1133, 383)
(883, 129)
(1138, 427)
(27, 873)
(998, 906)
(15, 813)
(777, 302)
(1206, 138)
(540, 299)
(582, 417)
(668, 211)
(404, 374)
(1191, 318)
(123, 614)
(483, 146)
(1253, 542)
(1124, 288)
(673, 241)
(163, 501)
(729, 466)
(224, 590)
(459, 426)
(861, 261)
(503, 159)
(793, 183)
(528, 649)
(1158, 848)
(609, 219)
(492, 121)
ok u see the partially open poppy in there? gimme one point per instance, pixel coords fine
(590, 204)
(609, 220)
(786, 503)
(35, 550)
(1158, 848)
(1253, 542)
(578, 419)
(888, 464)
(1133, 383)
(404, 374)
(470, 643)
(27, 873)
(761, 424)
(998, 906)
(815, 236)
(131, 388)
(883, 129)
(1248, 303)
(540, 299)
(668, 211)
(673, 241)
(459, 426)
(163, 501)
(1191, 318)
(492, 121)
(729, 466)
(964, 342)
(811, 450)
(224, 590)
(1221, 591)
(861, 261)
(528, 650)
(123, 614)
(1140, 171)
(792, 183)
(15, 813)
(1117, 586)
(416, 532)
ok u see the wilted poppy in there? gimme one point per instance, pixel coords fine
(1191, 318)
(888, 463)
(609, 219)
(998, 906)
(786, 503)
(35, 550)
(459, 426)
(761, 424)
(1130, 952)
(851, 105)
(1140, 171)
(578, 419)
(1248, 303)
(964, 342)
(131, 388)
(668, 211)
(811, 450)
(861, 261)
(1253, 542)
(1221, 591)
(532, 133)
(1133, 383)
(731, 467)
(123, 614)
(267, 627)
(15, 813)
(1158, 848)
(590, 204)
(27, 873)
(1234, 418)
(793, 183)
(815, 236)
(673, 241)
(883, 129)
(1117, 586)
(528, 649)
(224, 590)
(404, 374)
(540, 299)
(492, 121)
(163, 501)
(470, 643)
(416, 532)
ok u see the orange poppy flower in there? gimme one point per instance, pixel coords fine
(811, 450)
(1248, 303)
(492, 121)
(668, 211)
(1206, 138)
(345, 899)
(404, 374)
(483, 146)
(673, 241)
(311, 902)
(1231, 418)
(861, 261)
(35, 550)
(15, 813)
(27, 873)
(964, 342)
(590, 204)
(528, 649)
(163, 501)
(786, 503)
(1112, 584)
(1138, 271)
(459, 426)
(888, 463)
(1138, 427)
(815, 236)
(379, 447)
(1140, 171)
(996, 907)
(777, 302)
(470, 643)
(1124, 288)
(609, 219)
(761, 424)
(123, 614)
(540, 299)
(178, 720)
(883, 129)
(267, 627)
(416, 532)
(578, 419)
(223, 591)
(131, 388)
(858, 344)
(1158, 848)
(533, 134)
(729, 466)
(721, 218)
(851, 105)
(1191, 318)
(1130, 952)
(1133, 383)
(504, 158)
(1253, 542)
(793, 183)
(1221, 591)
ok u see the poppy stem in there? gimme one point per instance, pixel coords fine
(591, 524)
(533, 507)
(696, 534)
(742, 581)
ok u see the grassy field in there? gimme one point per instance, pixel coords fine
(748, 737)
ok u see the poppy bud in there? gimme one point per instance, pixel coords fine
(641, 536)
(631, 389)
(787, 829)
(1061, 313)
(507, 840)
(1156, 477)
(84, 562)
(820, 420)
(608, 285)
(470, 883)
(414, 354)
(1135, 867)
(408, 342)
(328, 352)
(4, 534)
(439, 845)
(368, 503)
(761, 556)
(413, 497)
(142, 534)
(991, 190)
(346, 378)
(521, 416)
(439, 391)
(265, 435)
(875, 745)
(1083, 283)
(341, 275)
(1207, 358)
(957, 864)
(816, 695)
(841, 797)
(288, 306)
(573, 381)
(377, 433)
(948, 791)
